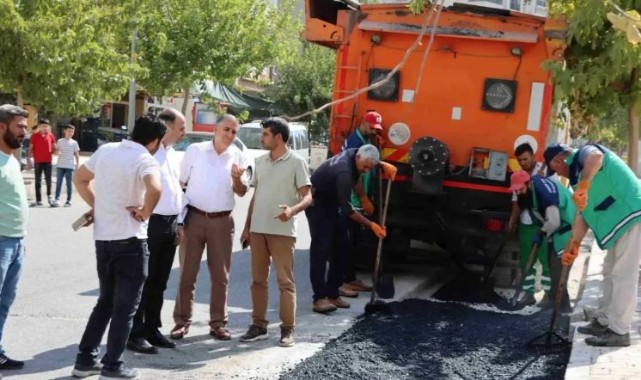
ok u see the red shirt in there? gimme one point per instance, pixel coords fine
(42, 147)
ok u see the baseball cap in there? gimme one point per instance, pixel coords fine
(374, 119)
(518, 180)
(551, 152)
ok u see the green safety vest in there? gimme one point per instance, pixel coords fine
(614, 199)
(366, 178)
(567, 211)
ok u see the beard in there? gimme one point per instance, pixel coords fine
(13, 141)
(525, 201)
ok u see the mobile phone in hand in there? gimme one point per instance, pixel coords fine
(83, 221)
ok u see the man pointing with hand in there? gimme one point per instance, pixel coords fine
(608, 197)
(281, 190)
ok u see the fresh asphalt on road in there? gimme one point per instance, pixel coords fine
(59, 286)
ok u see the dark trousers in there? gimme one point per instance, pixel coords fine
(355, 234)
(41, 168)
(122, 269)
(330, 242)
(162, 249)
(556, 267)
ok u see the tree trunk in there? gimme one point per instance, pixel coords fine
(633, 146)
(185, 99)
(17, 153)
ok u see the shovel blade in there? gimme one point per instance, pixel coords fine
(385, 286)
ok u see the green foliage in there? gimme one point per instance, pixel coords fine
(305, 84)
(417, 6)
(182, 42)
(63, 55)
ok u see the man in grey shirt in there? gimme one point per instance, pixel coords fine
(282, 190)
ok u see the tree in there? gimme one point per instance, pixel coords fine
(304, 84)
(184, 42)
(63, 55)
(601, 71)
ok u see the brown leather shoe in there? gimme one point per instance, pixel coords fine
(179, 332)
(345, 291)
(323, 306)
(357, 286)
(220, 333)
(339, 302)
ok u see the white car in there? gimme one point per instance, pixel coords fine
(250, 134)
(196, 137)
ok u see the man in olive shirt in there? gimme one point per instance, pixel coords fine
(13, 215)
(282, 190)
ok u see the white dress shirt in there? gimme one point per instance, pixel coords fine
(171, 198)
(208, 176)
(119, 169)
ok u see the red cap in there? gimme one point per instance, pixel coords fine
(374, 119)
(518, 180)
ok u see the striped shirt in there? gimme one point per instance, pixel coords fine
(66, 153)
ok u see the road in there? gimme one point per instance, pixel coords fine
(59, 287)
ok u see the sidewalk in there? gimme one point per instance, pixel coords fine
(587, 362)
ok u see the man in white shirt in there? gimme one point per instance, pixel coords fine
(121, 184)
(163, 233)
(528, 230)
(213, 172)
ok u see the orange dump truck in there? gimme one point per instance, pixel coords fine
(482, 92)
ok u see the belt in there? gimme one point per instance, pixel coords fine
(210, 215)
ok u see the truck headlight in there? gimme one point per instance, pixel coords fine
(499, 95)
(388, 91)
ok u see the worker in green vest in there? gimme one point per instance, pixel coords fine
(550, 207)
(608, 198)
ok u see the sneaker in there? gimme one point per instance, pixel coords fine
(286, 337)
(8, 363)
(157, 339)
(68, 204)
(323, 306)
(609, 339)
(123, 372)
(592, 328)
(35, 204)
(54, 204)
(339, 302)
(254, 333)
(83, 370)
(50, 201)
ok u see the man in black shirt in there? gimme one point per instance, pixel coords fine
(332, 185)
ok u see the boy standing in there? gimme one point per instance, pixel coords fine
(68, 161)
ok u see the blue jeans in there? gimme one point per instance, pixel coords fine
(11, 257)
(122, 270)
(67, 174)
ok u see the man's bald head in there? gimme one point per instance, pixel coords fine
(175, 122)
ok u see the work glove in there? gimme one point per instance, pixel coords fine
(538, 238)
(571, 253)
(367, 205)
(379, 231)
(580, 196)
(389, 171)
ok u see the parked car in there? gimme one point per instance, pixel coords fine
(250, 134)
(196, 137)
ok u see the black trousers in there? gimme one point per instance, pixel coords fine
(161, 237)
(41, 168)
(555, 276)
(330, 242)
(122, 269)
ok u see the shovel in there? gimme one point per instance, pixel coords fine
(384, 286)
(551, 337)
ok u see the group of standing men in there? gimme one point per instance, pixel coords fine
(606, 198)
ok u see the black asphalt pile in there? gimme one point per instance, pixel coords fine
(421, 339)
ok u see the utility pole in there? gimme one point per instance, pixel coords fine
(131, 119)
